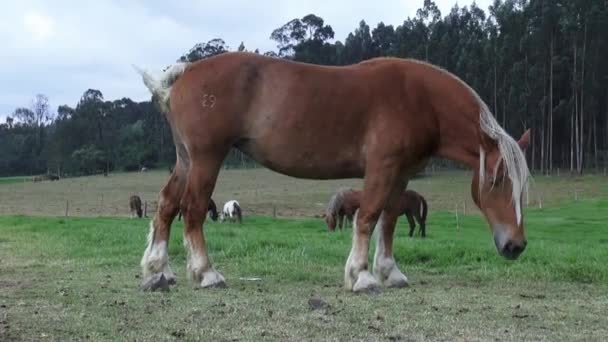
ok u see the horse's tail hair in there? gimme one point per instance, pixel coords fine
(161, 88)
(425, 208)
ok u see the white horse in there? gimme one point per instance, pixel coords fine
(232, 212)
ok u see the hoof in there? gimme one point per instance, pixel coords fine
(395, 279)
(366, 283)
(213, 279)
(155, 282)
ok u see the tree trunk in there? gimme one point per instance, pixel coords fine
(495, 82)
(550, 143)
(533, 148)
(543, 122)
(572, 143)
(595, 155)
(582, 127)
(573, 126)
(542, 145)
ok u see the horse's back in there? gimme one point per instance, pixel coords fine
(328, 118)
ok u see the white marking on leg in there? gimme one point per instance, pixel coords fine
(199, 268)
(356, 278)
(156, 258)
(385, 267)
(197, 263)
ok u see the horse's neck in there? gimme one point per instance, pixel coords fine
(460, 137)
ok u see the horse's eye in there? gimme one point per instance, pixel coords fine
(497, 180)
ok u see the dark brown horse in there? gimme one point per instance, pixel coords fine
(135, 206)
(343, 204)
(381, 120)
(211, 211)
(414, 207)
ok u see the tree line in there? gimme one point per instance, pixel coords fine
(539, 64)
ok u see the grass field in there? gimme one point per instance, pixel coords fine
(76, 279)
(259, 191)
(16, 179)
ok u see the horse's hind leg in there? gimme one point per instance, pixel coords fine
(201, 181)
(155, 262)
(422, 225)
(385, 267)
(380, 181)
(341, 221)
(410, 220)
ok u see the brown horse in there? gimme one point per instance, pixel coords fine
(414, 207)
(343, 204)
(135, 206)
(211, 211)
(380, 120)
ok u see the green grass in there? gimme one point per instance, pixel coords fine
(76, 278)
(15, 179)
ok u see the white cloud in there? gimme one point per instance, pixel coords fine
(62, 48)
(39, 25)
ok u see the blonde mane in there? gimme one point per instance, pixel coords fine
(516, 167)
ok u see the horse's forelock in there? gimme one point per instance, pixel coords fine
(514, 161)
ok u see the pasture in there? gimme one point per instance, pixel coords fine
(76, 278)
(260, 191)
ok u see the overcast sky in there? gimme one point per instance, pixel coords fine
(61, 48)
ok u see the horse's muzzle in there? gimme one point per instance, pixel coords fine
(508, 247)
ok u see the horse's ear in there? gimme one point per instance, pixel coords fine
(524, 141)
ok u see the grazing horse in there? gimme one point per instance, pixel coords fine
(343, 204)
(380, 120)
(135, 206)
(414, 206)
(232, 211)
(211, 211)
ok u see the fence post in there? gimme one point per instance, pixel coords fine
(274, 211)
(67, 207)
(145, 208)
(457, 221)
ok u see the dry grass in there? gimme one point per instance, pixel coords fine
(259, 191)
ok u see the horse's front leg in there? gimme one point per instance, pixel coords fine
(380, 182)
(385, 267)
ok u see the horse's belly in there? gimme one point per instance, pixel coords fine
(304, 160)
